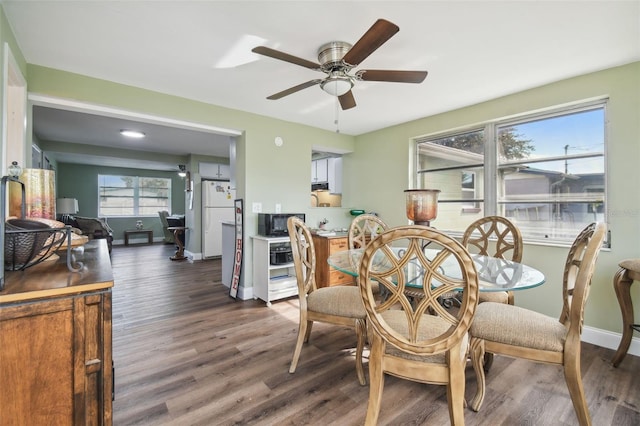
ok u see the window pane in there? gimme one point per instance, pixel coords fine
(577, 133)
(548, 173)
(133, 196)
(454, 165)
(551, 179)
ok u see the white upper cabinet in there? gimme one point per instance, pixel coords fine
(319, 172)
(334, 175)
(215, 171)
(328, 170)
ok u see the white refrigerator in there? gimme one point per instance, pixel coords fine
(217, 207)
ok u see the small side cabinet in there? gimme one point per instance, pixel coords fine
(272, 281)
(55, 347)
(325, 246)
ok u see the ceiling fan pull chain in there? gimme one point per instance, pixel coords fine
(337, 120)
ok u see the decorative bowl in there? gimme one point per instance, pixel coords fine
(29, 242)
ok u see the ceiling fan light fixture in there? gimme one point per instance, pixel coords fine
(337, 85)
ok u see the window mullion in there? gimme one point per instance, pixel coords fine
(491, 181)
(136, 195)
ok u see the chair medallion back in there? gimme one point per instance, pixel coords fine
(363, 229)
(397, 259)
(304, 256)
(508, 239)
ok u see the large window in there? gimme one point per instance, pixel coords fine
(133, 195)
(545, 172)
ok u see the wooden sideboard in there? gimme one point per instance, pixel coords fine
(325, 246)
(55, 342)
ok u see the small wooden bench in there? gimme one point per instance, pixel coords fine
(130, 232)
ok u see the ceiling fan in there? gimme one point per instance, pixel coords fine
(338, 58)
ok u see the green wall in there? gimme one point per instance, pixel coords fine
(80, 182)
(390, 150)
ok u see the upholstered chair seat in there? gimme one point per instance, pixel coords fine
(343, 301)
(431, 327)
(527, 329)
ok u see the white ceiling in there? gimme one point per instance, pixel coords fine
(474, 51)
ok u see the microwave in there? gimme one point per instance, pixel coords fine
(275, 224)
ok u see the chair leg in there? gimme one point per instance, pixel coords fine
(576, 390)
(376, 381)
(361, 336)
(477, 358)
(303, 336)
(622, 286)
(308, 332)
(488, 361)
(455, 387)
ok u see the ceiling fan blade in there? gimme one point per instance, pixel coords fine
(293, 89)
(381, 31)
(392, 76)
(347, 101)
(276, 54)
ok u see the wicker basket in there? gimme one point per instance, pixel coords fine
(29, 242)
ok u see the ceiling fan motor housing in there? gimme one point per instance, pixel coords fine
(330, 55)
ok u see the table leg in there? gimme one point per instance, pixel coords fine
(180, 252)
(622, 285)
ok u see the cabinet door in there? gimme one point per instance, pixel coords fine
(224, 171)
(334, 175)
(37, 363)
(322, 170)
(55, 356)
(215, 171)
(93, 358)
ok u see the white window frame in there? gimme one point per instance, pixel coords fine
(491, 163)
(136, 196)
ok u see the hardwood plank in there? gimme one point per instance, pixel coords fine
(187, 354)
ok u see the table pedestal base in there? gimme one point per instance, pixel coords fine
(177, 230)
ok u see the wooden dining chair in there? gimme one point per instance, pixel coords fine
(520, 333)
(494, 236)
(363, 229)
(417, 340)
(339, 305)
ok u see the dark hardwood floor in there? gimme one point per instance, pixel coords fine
(185, 353)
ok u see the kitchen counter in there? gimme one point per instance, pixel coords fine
(329, 234)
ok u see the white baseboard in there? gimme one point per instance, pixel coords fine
(608, 339)
(245, 293)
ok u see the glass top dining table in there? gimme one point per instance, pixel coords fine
(494, 274)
